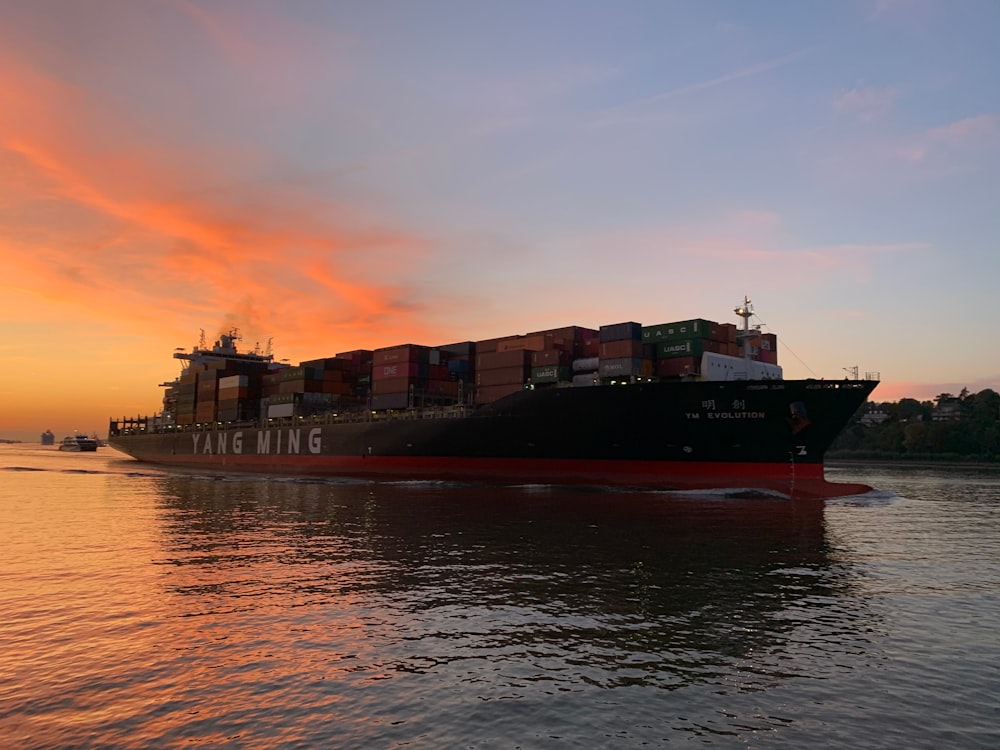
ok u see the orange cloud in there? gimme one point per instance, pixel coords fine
(112, 220)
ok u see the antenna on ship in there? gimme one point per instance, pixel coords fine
(852, 371)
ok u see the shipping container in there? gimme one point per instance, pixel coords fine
(587, 347)
(399, 370)
(446, 388)
(585, 378)
(501, 376)
(234, 381)
(360, 358)
(586, 364)
(486, 346)
(460, 349)
(393, 385)
(459, 366)
(406, 353)
(228, 394)
(558, 357)
(620, 332)
(699, 328)
(688, 348)
(275, 411)
(677, 366)
(493, 360)
(302, 386)
(284, 398)
(331, 364)
(300, 373)
(763, 347)
(533, 343)
(550, 374)
(205, 412)
(625, 367)
(621, 349)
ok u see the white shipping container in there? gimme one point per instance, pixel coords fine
(721, 367)
(280, 410)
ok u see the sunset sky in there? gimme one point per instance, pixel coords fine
(337, 175)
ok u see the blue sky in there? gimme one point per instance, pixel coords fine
(336, 175)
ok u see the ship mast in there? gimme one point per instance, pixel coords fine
(745, 311)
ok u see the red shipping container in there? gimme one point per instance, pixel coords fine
(442, 388)
(405, 369)
(405, 353)
(555, 357)
(486, 346)
(675, 366)
(393, 385)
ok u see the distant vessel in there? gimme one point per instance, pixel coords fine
(689, 405)
(78, 443)
(48, 438)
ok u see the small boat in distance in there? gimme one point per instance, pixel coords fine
(77, 443)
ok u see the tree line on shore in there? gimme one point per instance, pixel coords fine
(965, 427)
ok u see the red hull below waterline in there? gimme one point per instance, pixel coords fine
(798, 481)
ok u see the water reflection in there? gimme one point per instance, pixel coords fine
(607, 589)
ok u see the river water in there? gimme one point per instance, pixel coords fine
(151, 609)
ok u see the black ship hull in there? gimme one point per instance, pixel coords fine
(765, 435)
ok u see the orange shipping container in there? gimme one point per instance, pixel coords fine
(500, 376)
(534, 343)
(621, 349)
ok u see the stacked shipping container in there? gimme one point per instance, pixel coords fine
(479, 372)
(676, 348)
(411, 375)
(620, 358)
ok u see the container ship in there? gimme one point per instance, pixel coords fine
(680, 406)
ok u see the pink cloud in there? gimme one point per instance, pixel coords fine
(865, 102)
(970, 134)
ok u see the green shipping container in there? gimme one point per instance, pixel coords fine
(549, 374)
(699, 328)
(687, 348)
